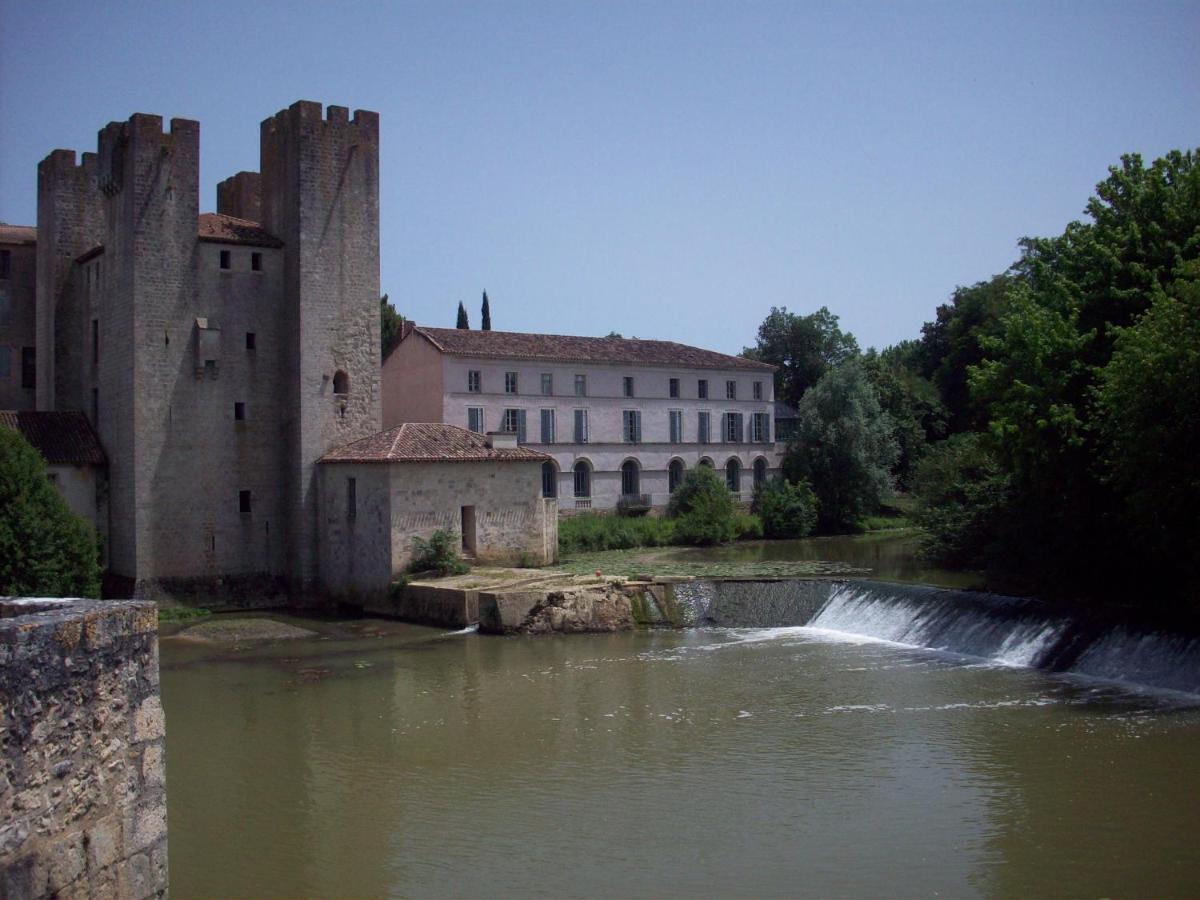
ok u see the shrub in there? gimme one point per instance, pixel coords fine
(590, 533)
(45, 549)
(787, 509)
(747, 526)
(438, 554)
(703, 509)
(961, 499)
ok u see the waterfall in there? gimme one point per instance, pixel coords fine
(1013, 630)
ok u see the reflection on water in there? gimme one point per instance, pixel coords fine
(382, 759)
(889, 557)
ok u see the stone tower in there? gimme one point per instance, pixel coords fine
(320, 197)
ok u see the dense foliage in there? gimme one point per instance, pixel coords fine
(703, 509)
(437, 554)
(45, 549)
(787, 510)
(462, 322)
(1082, 379)
(844, 446)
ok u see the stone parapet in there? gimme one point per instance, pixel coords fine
(82, 771)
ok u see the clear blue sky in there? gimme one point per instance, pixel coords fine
(670, 170)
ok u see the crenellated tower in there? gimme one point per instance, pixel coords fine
(320, 196)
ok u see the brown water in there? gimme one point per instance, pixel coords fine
(389, 760)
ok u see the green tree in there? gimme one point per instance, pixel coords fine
(486, 314)
(962, 496)
(787, 510)
(390, 322)
(844, 447)
(703, 509)
(45, 549)
(953, 342)
(463, 322)
(803, 347)
(911, 402)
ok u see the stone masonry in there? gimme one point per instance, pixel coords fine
(82, 773)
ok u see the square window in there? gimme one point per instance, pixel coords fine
(511, 419)
(250, 340)
(758, 394)
(239, 411)
(676, 426)
(475, 419)
(628, 385)
(256, 262)
(226, 259)
(633, 426)
(673, 388)
(473, 382)
(731, 390)
(581, 426)
(510, 382)
(243, 501)
(580, 385)
(547, 384)
(702, 388)
(547, 426)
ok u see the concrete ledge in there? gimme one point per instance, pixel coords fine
(426, 604)
(503, 612)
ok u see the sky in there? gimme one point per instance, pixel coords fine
(659, 169)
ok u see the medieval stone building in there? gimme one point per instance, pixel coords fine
(218, 356)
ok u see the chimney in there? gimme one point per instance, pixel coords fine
(501, 440)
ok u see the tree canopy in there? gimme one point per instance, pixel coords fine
(45, 549)
(844, 447)
(803, 347)
(389, 327)
(462, 322)
(485, 314)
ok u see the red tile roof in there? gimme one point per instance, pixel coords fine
(63, 438)
(17, 234)
(426, 442)
(566, 348)
(228, 230)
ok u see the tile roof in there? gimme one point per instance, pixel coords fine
(427, 442)
(17, 234)
(228, 230)
(63, 438)
(566, 348)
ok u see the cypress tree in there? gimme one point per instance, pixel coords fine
(462, 317)
(487, 314)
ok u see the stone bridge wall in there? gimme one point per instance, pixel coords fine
(82, 777)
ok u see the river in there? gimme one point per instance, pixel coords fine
(381, 759)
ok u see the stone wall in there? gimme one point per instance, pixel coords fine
(82, 773)
(18, 307)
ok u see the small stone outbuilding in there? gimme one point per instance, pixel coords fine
(378, 493)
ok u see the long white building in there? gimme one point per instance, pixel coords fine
(623, 420)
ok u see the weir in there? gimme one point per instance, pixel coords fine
(1011, 630)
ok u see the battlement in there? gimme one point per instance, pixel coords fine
(62, 162)
(240, 196)
(310, 113)
(140, 132)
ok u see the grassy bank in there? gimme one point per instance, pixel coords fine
(591, 533)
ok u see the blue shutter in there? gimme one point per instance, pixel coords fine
(637, 427)
(520, 426)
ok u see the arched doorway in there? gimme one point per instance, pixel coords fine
(760, 472)
(674, 474)
(583, 479)
(733, 475)
(631, 481)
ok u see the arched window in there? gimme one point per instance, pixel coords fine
(341, 382)
(549, 480)
(733, 475)
(674, 475)
(760, 471)
(583, 479)
(705, 461)
(630, 482)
